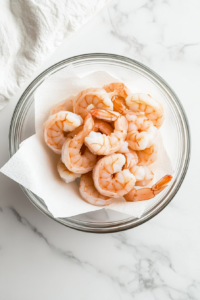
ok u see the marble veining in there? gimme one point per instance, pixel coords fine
(145, 272)
(154, 30)
(41, 259)
(149, 276)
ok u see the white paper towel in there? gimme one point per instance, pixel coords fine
(31, 30)
(34, 164)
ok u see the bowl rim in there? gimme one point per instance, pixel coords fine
(108, 227)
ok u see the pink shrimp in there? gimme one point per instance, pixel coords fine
(103, 144)
(148, 193)
(141, 133)
(56, 127)
(72, 156)
(89, 192)
(117, 89)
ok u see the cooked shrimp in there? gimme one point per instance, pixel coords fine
(65, 105)
(142, 174)
(152, 109)
(148, 193)
(96, 96)
(141, 132)
(109, 178)
(72, 157)
(148, 156)
(99, 125)
(65, 174)
(117, 89)
(56, 127)
(102, 144)
(90, 193)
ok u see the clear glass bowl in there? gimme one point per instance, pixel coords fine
(102, 221)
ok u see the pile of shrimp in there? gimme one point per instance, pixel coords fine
(109, 141)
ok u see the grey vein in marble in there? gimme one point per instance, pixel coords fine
(67, 254)
(159, 46)
(148, 275)
(143, 273)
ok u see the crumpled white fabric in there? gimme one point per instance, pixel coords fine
(30, 30)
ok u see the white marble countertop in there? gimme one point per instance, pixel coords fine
(160, 260)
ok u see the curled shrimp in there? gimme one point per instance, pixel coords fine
(109, 177)
(72, 156)
(117, 89)
(152, 109)
(148, 156)
(103, 144)
(95, 96)
(56, 127)
(141, 133)
(148, 193)
(90, 193)
(65, 174)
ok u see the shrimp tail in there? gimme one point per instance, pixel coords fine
(148, 193)
(162, 183)
(103, 127)
(117, 89)
(104, 114)
(119, 106)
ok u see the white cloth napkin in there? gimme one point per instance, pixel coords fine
(34, 164)
(30, 30)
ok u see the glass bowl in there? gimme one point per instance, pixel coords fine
(178, 141)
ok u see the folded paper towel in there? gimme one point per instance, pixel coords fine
(34, 164)
(30, 30)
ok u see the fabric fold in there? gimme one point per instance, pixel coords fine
(31, 30)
